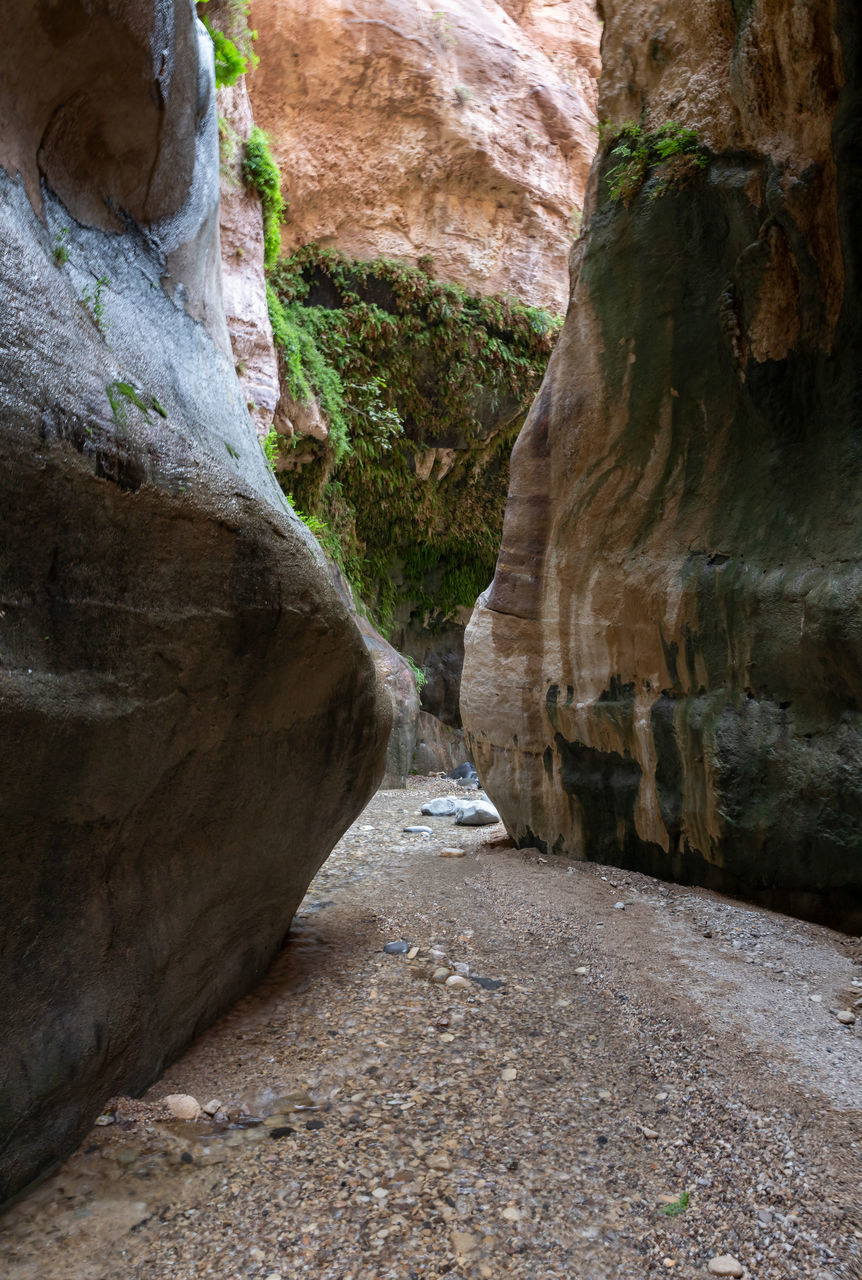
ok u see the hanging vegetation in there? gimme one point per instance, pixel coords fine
(260, 172)
(425, 387)
(227, 24)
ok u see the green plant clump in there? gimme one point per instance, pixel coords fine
(60, 247)
(261, 173)
(269, 444)
(676, 1207)
(425, 387)
(418, 674)
(94, 302)
(676, 149)
(121, 393)
(233, 48)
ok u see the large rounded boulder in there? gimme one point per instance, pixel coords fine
(189, 718)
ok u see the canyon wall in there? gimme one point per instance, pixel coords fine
(464, 132)
(666, 672)
(188, 715)
(242, 254)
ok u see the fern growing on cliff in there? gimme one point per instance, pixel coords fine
(425, 387)
(674, 148)
(233, 49)
(261, 173)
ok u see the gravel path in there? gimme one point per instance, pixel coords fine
(636, 1090)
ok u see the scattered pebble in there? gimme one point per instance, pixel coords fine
(440, 975)
(439, 1161)
(649, 1133)
(846, 1016)
(458, 981)
(725, 1265)
(487, 984)
(182, 1106)
(397, 948)
(619, 906)
(453, 853)
(463, 1242)
(419, 831)
(509, 1073)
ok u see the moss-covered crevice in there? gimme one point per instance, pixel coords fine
(425, 388)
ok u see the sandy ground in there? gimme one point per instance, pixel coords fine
(640, 1089)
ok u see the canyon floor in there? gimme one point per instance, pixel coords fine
(639, 1089)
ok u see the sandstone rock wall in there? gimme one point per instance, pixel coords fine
(665, 672)
(397, 686)
(463, 131)
(188, 715)
(244, 285)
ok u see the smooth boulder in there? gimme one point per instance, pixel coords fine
(188, 716)
(480, 813)
(441, 807)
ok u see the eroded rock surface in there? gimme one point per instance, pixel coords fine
(464, 131)
(189, 716)
(397, 685)
(665, 672)
(244, 285)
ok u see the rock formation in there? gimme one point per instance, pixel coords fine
(244, 286)
(189, 715)
(397, 686)
(464, 132)
(665, 672)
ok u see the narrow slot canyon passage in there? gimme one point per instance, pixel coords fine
(637, 1089)
(469, 384)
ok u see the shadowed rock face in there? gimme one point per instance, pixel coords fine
(666, 672)
(188, 716)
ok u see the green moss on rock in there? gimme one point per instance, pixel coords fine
(425, 387)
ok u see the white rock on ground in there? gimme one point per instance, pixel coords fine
(441, 807)
(183, 1106)
(725, 1265)
(478, 814)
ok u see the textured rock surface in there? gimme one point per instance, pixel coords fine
(399, 684)
(243, 280)
(397, 688)
(405, 129)
(666, 670)
(439, 747)
(188, 716)
(440, 654)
